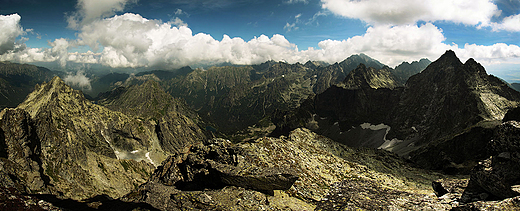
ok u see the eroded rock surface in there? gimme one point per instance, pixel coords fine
(216, 163)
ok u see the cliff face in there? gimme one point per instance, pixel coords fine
(445, 99)
(176, 125)
(449, 96)
(64, 144)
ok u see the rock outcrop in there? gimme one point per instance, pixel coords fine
(318, 162)
(215, 163)
(444, 100)
(58, 142)
(176, 125)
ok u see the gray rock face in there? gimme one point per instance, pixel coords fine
(447, 98)
(215, 164)
(19, 161)
(493, 178)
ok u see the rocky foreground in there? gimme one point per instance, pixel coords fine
(303, 171)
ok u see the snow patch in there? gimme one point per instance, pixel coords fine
(149, 159)
(375, 127)
(387, 144)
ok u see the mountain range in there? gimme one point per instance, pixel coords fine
(350, 135)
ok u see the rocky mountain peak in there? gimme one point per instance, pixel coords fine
(449, 57)
(52, 92)
(369, 77)
(352, 61)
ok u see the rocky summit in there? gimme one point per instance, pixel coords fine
(446, 99)
(354, 135)
(76, 149)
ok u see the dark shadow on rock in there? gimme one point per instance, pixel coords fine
(100, 202)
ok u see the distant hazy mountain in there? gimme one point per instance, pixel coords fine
(516, 86)
(237, 97)
(405, 69)
(370, 77)
(336, 73)
(18, 80)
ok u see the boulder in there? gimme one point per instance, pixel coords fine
(216, 163)
(494, 177)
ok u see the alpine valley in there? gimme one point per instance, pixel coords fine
(354, 135)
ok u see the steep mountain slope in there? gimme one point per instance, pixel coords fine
(450, 96)
(445, 99)
(462, 152)
(18, 80)
(175, 123)
(80, 149)
(365, 96)
(405, 70)
(363, 77)
(237, 97)
(81, 143)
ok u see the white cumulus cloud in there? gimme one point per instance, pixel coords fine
(130, 40)
(78, 80)
(10, 29)
(398, 12)
(510, 23)
(90, 10)
(389, 44)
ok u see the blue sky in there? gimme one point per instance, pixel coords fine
(168, 34)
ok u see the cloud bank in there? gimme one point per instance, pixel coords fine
(398, 12)
(392, 36)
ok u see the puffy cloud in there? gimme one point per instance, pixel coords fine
(57, 52)
(511, 23)
(90, 10)
(398, 12)
(11, 29)
(78, 80)
(493, 54)
(389, 44)
(130, 40)
(177, 22)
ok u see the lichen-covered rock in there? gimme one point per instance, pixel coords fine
(175, 124)
(20, 164)
(215, 164)
(493, 178)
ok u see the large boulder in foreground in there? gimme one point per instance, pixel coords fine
(493, 178)
(215, 164)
